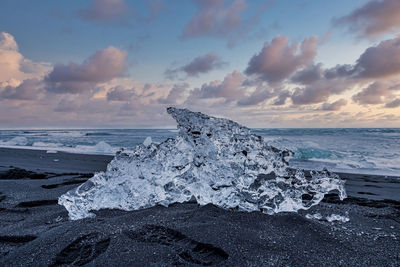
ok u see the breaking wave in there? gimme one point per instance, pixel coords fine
(212, 160)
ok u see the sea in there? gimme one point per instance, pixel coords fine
(351, 150)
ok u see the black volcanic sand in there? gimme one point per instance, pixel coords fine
(35, 231)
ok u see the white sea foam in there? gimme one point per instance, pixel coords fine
(45, 144)
(16, 141)
(212, 160)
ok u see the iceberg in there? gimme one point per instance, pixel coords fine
(212, 160)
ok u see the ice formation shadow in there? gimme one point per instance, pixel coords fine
(212, 160)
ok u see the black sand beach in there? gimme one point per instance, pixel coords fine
(35, 230)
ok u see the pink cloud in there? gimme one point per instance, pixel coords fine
(279, 59)
(229, 88)
(175, 94)
(29, 89)
(102, 66)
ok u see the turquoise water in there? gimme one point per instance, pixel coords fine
(371, 151)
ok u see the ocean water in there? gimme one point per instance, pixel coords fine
(366, 150)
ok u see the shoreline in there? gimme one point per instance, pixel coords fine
(296, 163)
(376, 187)
(34, 230)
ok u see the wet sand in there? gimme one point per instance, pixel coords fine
(35, 230)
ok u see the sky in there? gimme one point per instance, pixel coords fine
(262, 63)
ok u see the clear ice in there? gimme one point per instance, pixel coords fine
(212, 160)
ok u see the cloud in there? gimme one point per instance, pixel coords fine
(308, 75)
(203, 64)
(102, 66)
(380, 61)
(373, 19)
(310, 95)
(344, 70)
(7, 42)
(393, 104)
(14, 66)
(67, 105)
(155, 7)
(258, 96)
(115, 11)
(320, 91)
(119, 93)
(335, 106)
(278, 60)
(29, 89)
(376, 93)
(198, 65)
(175, 94)
(229, 88)
(282, 97)
(215, 17)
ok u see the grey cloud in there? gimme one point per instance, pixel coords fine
(155, 7)
(214, 17)
(120, 94)
(116, 11)
(146, 87)
(375, 93)
(278, 60)
(373, 19)
(198, 65)
(282, 97)
(66, 105)
(320, 91)
(174, 94)
(379, 61)
(308, 75)
(258, 96)
(335, 106)
(338, 71)
(393, 104)
(310, 95)
(203, 64)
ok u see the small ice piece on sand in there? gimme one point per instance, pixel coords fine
(336, 217)
(51, 151)
(147, 141)
(316, 216)
(56, 160)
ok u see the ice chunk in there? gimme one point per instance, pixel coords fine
(212, 160)
(336, 217)
(147, 141)
(102, 147)
(316, 216)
